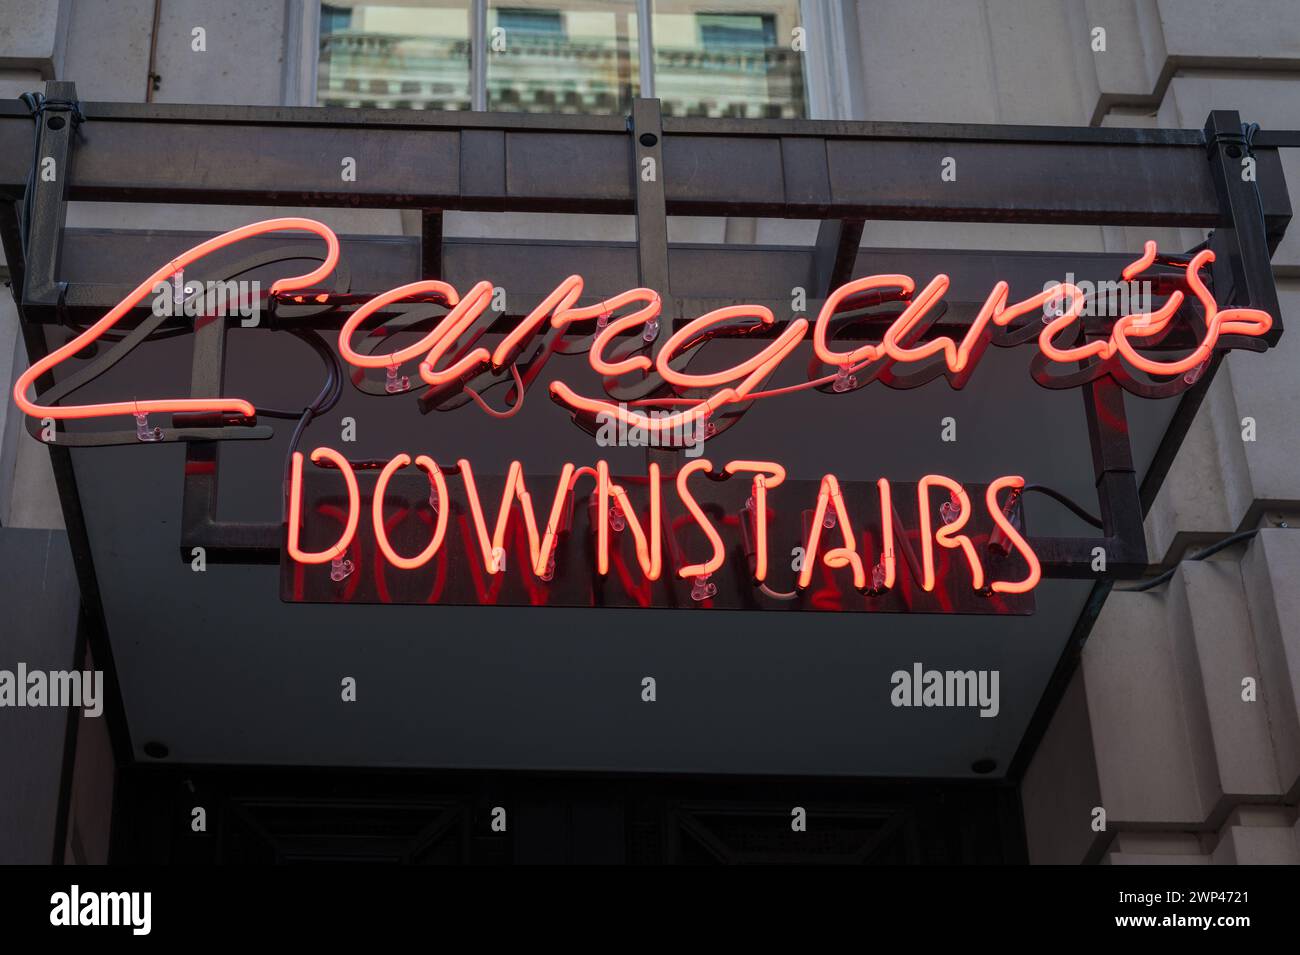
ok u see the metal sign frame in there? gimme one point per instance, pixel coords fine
(838, 173)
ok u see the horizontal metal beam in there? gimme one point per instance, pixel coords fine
(790, 169)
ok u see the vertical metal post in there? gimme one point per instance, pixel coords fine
(835, 255)
(651, 210)
(1112, 462)
(430, 243)
(478, 54)
(645, 47)
(49, 211)
(1242, 273)
(207, 377)
(1242, 225)
(48, 205)
(652, 250)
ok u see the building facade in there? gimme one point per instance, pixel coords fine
(1173, 732)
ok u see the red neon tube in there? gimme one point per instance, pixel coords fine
(887, 532)
(1233, 321)
(949, 535)
(866, 353)
(696, 329)
(649, 554)
(684, 492)
(766, 474)
(776, 351)
(540, 547)
(295, 508)
(164, 405)
(847, 555)
(452, 326)
(596, 357)
(1015, 537)
(448, 294)
(377, 511)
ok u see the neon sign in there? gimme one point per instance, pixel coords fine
(730, 386)
(650, 386)
(648, 540)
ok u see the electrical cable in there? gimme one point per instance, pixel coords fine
(778, 594)
(1073, 505)
(1199, 555)
(510, 412)
(328, 397)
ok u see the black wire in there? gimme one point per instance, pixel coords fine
(329, 396)
(1074, 506)
(1199, 555)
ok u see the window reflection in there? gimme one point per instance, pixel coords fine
(562, 56)
(728, 58)
(719, 58)
(394, 55)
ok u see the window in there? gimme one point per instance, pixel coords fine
(736, 31)
(734, 58)
(395, 55)
(562, 56)
(729, 58)
(524, 22)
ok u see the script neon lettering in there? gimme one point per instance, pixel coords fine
(90, 335)
(737, 383)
